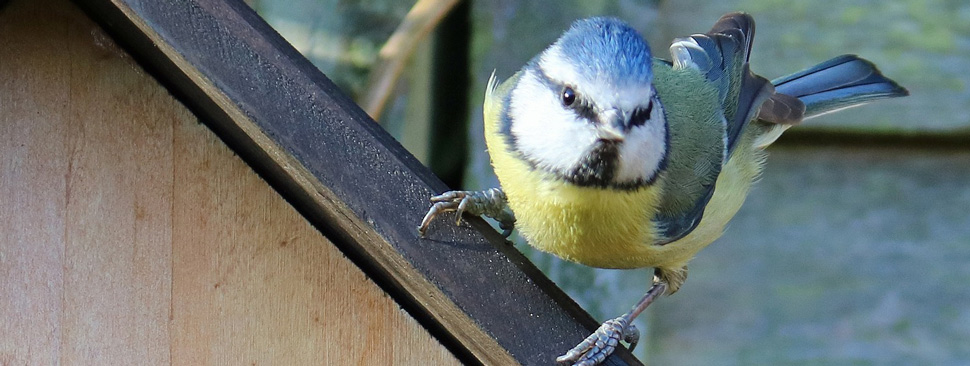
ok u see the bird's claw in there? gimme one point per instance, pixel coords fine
(445, 202)
(599, 345)
(490, 202)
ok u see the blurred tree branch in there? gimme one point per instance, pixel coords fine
(423, 17)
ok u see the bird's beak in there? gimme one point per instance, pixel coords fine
(612, 127)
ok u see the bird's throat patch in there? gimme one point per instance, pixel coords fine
(598, 167)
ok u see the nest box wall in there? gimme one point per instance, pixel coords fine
(130, 234)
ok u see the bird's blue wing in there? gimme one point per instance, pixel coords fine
(722, 56)
(701, 148)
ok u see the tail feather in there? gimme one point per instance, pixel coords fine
(842, 82)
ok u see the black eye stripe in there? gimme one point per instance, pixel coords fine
(641, 115)
(585, 110)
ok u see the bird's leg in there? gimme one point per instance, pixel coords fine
(595, 348)
(490, 202)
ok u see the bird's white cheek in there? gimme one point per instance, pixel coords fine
(544, 130)
(643, 151)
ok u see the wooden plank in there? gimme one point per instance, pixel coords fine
(130, 235)
(32, 186)
(117, 235)
(351, 180)
(254, 283)
(84, 253)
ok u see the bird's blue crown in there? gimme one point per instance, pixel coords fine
(607, 47)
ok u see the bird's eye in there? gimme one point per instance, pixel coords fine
(568, 96)
(641, 115)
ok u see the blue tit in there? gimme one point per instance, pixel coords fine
(611, 158)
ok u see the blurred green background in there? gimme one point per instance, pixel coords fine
(854, 248)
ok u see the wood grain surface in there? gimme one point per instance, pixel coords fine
(477, 295)
(131, 235)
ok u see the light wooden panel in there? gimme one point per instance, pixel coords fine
(129, 234)
(350, 178)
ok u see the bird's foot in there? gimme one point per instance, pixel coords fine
(599, 345)
(595, 348)
(490, 202)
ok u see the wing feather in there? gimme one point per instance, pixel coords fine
(721, 56)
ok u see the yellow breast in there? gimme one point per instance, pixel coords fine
(592, 226)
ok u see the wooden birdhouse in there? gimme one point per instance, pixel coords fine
(179, 186)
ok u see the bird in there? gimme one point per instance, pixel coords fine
(612, 158)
